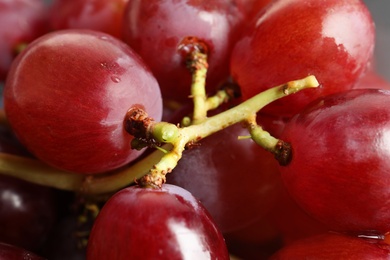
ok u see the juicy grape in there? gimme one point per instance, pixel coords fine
(67, 101)
(293, 38)
(339, 172)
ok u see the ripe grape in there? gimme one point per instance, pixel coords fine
(371, 79)
(102, 15)
(27, 211)
(156, 28)
(291, 221)
(339, 172)
(291, 39)
(22, 21)
(250, 8)
(147, 223)
(67, 95)
(227, 175)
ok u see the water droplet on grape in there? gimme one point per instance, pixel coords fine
(103, 37)
(115, 79)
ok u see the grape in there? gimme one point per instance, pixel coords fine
(28, 211)
(335, 246)
(146, 223)
(339, 172)
(156, 28)
(291, 221)
(11, 252)
(371, 79)
(283, 224)
(22, 21)
(290, 39)
(227, 175)
(73, 99)
(102, 15)
(257, 241)
(250, 8)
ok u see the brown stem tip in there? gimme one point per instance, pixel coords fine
(137, 122)
(283, 153)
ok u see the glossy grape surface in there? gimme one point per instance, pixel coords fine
(28, 213)
(156, 28)
(102, 15)
(250, 8)
(21, 22)
(144, 223)
(73, 99)
(339, 171)
(290, 39)
(228, 175)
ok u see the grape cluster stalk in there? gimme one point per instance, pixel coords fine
(151, 170)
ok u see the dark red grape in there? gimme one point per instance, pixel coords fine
(256, 241)
(227, 175)
(145, 223)
(67, 95)
(156, 28)
(22, 21)
(100, 15)
(339, 172)
(28, 213)
(291, 222)
(290, 39)
(11, 252)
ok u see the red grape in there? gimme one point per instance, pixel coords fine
(291, 39)
(67, 95)
(146, 223)
(251, 7)
(227, 175)
(256, 241)
(371, 79)
(339, 172)
(27, 213)
(156, 28)
(335, 246)
(291, 221)
(22, 21)
(100, 15)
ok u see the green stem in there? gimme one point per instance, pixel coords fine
(37, 172)
(246, 111)
(152, 169)
(219, 98)
(198, 89)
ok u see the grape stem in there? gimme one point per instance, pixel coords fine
(152, 169)
(180, 138)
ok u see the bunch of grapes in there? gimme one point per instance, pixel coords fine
(192, 129)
